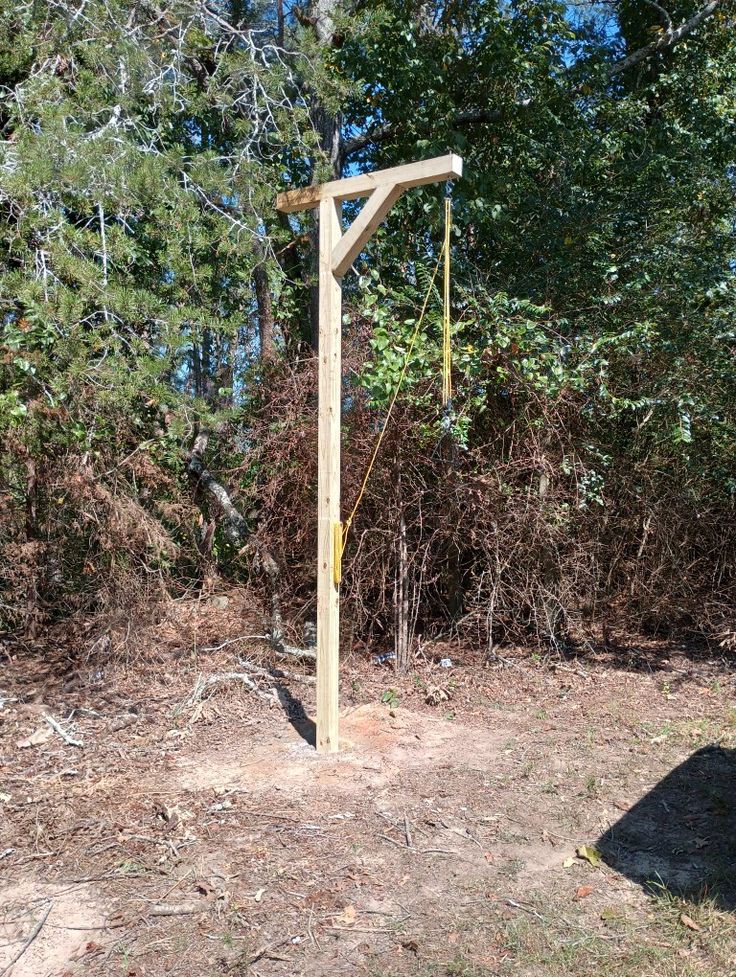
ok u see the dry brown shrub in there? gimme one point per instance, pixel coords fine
(504, 544)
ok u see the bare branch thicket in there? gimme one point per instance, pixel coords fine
(502, 544)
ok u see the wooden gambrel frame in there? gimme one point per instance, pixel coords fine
(338, 250)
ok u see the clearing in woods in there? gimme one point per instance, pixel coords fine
(522, 816)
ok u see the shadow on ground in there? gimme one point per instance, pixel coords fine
(682, 834)
(296, 714)
(648, 655)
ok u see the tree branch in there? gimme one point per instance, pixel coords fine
(235, 526)
(666, 40)
(664, 14)
(237, 531)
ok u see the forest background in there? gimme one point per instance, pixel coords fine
(158, 341)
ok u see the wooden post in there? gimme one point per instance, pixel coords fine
(328, 476)
(337, 252)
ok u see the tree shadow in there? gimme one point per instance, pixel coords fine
(682, 834)
(686, 658)
(296, 714)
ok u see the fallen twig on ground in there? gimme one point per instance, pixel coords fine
(98, 926)
(427, 851)
(527, 909)
(33, 934)
(279, 673)
(232, 641)
(204, 685)
(394, 842)
(185, 909)
(361, 929)
(176, 885)
(291, 651)
(268, 948)
(67, 737)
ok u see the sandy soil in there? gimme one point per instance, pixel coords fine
(209, 838)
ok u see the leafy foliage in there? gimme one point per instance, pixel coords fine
(150, 293)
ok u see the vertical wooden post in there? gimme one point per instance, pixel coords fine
(337, 251)
(328, 479)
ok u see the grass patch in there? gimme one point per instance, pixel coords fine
(656, 939)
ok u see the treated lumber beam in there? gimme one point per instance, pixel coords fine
(411, 175)
(337, 251)
(328, 478)
(360, 231)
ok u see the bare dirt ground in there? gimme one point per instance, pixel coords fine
(536, 816)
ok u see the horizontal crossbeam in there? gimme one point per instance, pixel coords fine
(411, 175)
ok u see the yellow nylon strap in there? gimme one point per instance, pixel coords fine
(446, 338)
(337, 547)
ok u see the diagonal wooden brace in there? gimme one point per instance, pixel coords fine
(361, 230)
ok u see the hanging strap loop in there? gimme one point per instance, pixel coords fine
(446, 338)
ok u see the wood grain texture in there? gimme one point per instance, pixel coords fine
(411, 175)
(363, 227)
(328, 480)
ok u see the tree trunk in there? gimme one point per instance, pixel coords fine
(327, 126)
(265, 312)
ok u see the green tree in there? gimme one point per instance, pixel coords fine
(158, 317)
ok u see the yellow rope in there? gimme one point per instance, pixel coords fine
(341, 530)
